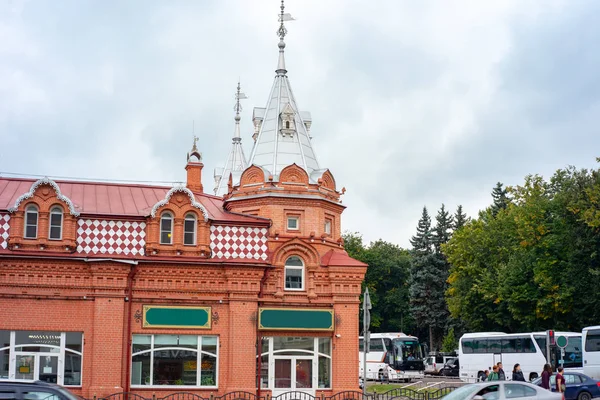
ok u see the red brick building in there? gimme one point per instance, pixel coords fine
(109, 287)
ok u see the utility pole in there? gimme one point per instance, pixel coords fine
(366, 334)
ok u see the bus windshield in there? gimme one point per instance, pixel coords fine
(408, 349)
(573, 355)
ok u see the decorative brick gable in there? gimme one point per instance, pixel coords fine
(238, 242)
(110, 237)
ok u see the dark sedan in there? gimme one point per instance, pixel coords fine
(578, 386)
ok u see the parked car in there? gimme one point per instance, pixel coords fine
(38, 390)
(578, 386)
(497, 390)
(435, 361)
(451, 368)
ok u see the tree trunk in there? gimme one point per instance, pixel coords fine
(430, 338)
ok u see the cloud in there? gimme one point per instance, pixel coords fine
(413, 103)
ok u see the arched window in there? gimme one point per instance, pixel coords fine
(31, 222)
(166, 228)
(294, 273)
(287, 124)
(56, 220)
(189, 229)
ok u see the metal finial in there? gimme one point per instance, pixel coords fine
(194, 148)
(238, 108)
(281, 32)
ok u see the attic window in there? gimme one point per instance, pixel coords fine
(166, 228)
(189, 230)
(56, 217)
(31, 222)
(287, 124)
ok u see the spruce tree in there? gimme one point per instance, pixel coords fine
(427, 281)
(500, 198)
(460, 219)
(442, 230)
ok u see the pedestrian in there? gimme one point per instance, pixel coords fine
(487, 374)
(546, 374)
(517, 374)
(501, 374)
(494, 375)
(560, 382)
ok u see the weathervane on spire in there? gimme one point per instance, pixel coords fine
(194, 152)
(239, 96)
(281, 32)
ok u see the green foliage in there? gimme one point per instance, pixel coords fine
(533, 264)
(387, 279)
(450, 342)
(460, 218)
(500, 198)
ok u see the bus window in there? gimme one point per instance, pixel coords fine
(508, 346)
(494, 346)
(592, 341)
(361, 345)
(467, 346)
(376, 345)
(573, 355)
(541, 342)
(528, 346)
(480, 346)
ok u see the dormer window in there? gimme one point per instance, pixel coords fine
(56, 222)
(31, 222)
(189, 230)
(287, 124)
(166, 228)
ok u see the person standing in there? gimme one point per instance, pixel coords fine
(517, 374)
(560, 382)
(501, 374)
(546, 374)
(494, 375)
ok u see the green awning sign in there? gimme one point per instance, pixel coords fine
(562, 341)
(177, 317)
(296, 319)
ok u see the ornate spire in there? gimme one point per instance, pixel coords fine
(281, 32)
(236, 161)
(194, 152)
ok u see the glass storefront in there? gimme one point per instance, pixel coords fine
(296, 363)
(174, 360)
(54, 357)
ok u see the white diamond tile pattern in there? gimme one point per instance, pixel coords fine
(110, 237)
(4, 228)
(238, 242)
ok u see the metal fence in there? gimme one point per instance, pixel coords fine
(394, 394)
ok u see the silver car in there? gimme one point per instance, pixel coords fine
(501, 390)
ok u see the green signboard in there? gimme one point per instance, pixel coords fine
(177, 317)
(296, 319)
(562, 341)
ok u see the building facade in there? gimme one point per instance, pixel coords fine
(109, 287)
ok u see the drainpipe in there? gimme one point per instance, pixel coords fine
(258, 336)
(127, 319)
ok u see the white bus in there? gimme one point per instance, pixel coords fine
(392, 356)
(591, 351)
(478, 352)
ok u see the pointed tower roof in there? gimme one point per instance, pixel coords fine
(236, 160)
(281, 136)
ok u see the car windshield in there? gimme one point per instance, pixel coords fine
(408, 349)
(462, 393)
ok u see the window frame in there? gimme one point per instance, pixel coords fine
(328, 224)
(293, 218)
(164, 216)
(302, 268)
(199, 353)
(31, 209)
(56, 210)
(190, 217)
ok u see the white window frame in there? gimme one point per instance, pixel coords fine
(62, 350)
(190, 217)
(292, 218)
(199, 353)
(328, 224)
(275, 354)
(56, 210)
(166, 215)
(293, 267)
(32, 209)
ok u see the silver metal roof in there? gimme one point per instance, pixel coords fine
(236, 160)
(282, 136)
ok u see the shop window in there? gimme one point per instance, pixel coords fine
(293, 223)
(31, 222)
(174, 360)
(166, 228)
(56, 220)
(53, 357)
(189, 230)
(294, 273)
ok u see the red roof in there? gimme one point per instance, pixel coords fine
(339, 258)
(118, 200)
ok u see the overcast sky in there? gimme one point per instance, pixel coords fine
(413, 102)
